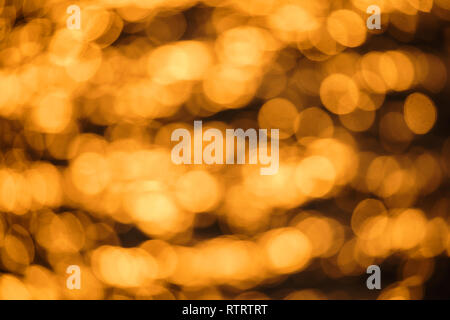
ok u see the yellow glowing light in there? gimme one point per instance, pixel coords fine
(287, 250)
(315, 176)
(198, 191)
(347, 28)
(280, 114)
(420, 113)
(339, 94)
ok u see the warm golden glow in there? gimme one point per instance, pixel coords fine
(87, 176)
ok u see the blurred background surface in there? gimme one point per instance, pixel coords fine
(86, 176)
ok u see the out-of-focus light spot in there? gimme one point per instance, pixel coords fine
(306, 294)
(229, 86)
(347, 28)
(278, 114)
(358, 120)
(18, 249)
(384, 176)
(422, 5)
(41, 283)
(86, 118)
(60, 233)
(395, 293)
(86, 64)
(320, 233)
(11, 288)
(313, 123)
(95, 21)
(156, 210)
(175, 62)
(287, 250)
(339, 154)
(198, 191)
(420, 113)
(122, 267)
(242, 46)
(292, 22)
(363, 214)
(339, 94)
(53, 112)
(409, 229)
(396, 70)
(435, 240)
(393, 127)
(315, 176)
(418, 270)
(90, 173)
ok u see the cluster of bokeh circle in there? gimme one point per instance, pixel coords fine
(86, 176)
